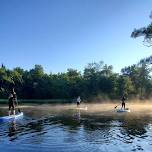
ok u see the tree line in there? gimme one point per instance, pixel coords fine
(96, 81)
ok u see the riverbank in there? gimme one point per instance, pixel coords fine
(70, 101)
(40, 101)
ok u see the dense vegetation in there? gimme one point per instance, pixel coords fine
(97, 81)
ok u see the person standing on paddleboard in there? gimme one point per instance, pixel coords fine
(123, 101)
(15, 99)
(11, 104)
(14, 95)
(78, 101)
(12, 101)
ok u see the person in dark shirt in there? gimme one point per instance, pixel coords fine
(11, 104)
(12, 101)
(14, 95)
(123, 101)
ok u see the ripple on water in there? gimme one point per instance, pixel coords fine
(77, 132)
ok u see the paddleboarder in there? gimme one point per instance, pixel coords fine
(11, 104)
(123, 102)
(78, 101)
(14, 95)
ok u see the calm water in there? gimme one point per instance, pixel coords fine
(56, 129)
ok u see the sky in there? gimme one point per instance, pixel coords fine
(62, 34)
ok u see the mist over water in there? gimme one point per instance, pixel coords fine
(60, 128)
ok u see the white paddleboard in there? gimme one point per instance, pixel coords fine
(11, 117)
(82, 108)
(123, 110)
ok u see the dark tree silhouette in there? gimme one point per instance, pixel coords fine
(146, 32)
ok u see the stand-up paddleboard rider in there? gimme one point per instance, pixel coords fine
(11, 104)
(78, 101)
(12, 101)
(14, 95)
(123, 101)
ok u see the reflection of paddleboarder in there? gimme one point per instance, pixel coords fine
(123, 101)
(12, 129)
(77, 115)
(78, 101)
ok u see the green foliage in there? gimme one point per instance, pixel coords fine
(125, 86)
(98, 81)
(140, 77)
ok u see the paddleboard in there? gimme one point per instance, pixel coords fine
(11, 117)
(85, 108)
(123, 110)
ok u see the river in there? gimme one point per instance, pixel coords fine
(63, 128)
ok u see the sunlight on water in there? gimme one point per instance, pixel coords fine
(60, 128)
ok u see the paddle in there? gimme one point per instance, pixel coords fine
(17, 106)
(117, 106)
(19, 110)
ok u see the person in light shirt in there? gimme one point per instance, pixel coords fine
(78, 101)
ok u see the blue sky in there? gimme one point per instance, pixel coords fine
(61, 34)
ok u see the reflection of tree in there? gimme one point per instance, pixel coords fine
(92, 128)
(90, 123)
(96, 128)
(69, 122)
(134, 126)
(37, 126)
(93, 123)
(34, 129)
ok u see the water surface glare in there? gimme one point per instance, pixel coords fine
(63, 128)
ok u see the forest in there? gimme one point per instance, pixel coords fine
(96, 81)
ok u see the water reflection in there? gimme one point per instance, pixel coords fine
(77, 115)
(130, 125)
(135, 125)
(76, 128)
(12, 129)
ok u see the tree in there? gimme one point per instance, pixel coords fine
(140, 76)
(125, 86)
(146, 32)
(91, 75)
(98, 80)
(133, 73)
